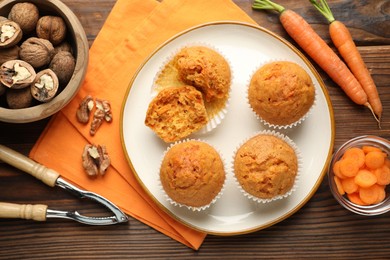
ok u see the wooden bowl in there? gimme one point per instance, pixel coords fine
(78, 40)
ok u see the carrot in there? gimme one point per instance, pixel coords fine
(342, 39)
(349, 167)
(336, 170)
(371, 194)
(349, 185)
(375, 160)
(339, 186)
(355, 198)
(383, 175)
(381, 194)
(318, 50)
(368, 148)
(365, 178)
(357, 154)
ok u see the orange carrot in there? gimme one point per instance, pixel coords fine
(318, 50)
(339, 186)
(365, 178)
(349, 167)
(383, 175)
(336, 170)
(355, 198)
(375, 160)
(371, 194)
(381, 194)
(368, 148)
(344, 43)
(349, 185)
(357, 154)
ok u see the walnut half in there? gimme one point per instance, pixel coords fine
(95, 159)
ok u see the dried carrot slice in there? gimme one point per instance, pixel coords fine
(348, 167)
(368, 148)
(355, 198)
(381, 195)
(349, 185)
(371, 194)
(357, 154)
(339, 186)
(336, 170)
(383, 175)
(375, 160)
(365, 178)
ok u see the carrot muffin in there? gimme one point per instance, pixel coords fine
(205, 69)
(176, 112)
(192, 173)
(266, 167)
(281, 93)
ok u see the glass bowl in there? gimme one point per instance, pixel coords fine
(371, 210)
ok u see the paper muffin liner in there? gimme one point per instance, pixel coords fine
(292, 144)
(192, 208)
(277, 126)
(167, 76)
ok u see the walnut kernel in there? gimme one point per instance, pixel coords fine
(84, 109)
(95, 159)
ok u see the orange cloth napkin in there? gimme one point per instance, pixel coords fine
(132, 31)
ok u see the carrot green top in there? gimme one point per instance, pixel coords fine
(268, 5)
(323, 7)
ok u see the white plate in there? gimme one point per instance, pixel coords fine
(245, 46)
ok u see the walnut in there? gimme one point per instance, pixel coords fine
(11, 53)
(52, 28)
(18, 98)
(95, 159)
(10, 34)
(102, 113)
(84, 110)
(45, 85)
(63, 64)
(26, 15)
(64, 46)
(38, 52)
(17, 74)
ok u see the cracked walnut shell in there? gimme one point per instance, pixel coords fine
(10, 34)
(45, 85)
(17, 74)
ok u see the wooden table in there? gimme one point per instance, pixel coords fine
(322, 228)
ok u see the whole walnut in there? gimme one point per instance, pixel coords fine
(11, 53)
(26, 15)
(19, 98)
(52, 28)
(63, 64)
(38, 52)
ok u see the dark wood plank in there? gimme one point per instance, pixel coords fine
(321, 229)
